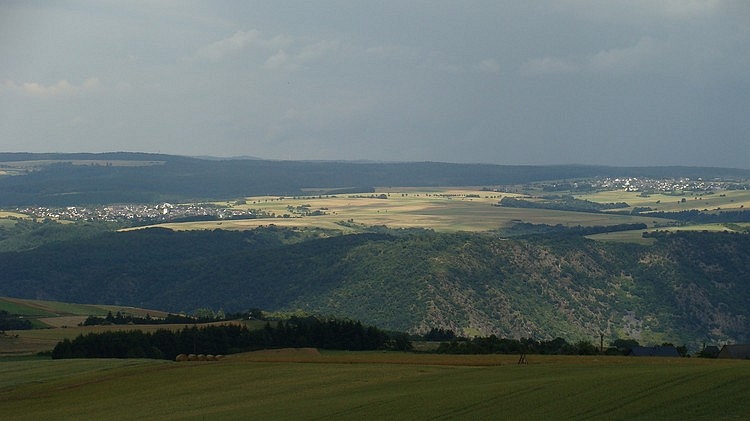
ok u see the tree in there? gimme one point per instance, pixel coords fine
(586, 348)
(439, 334)
(625, 345)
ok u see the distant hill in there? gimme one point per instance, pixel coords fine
(84, 178)
(689, 287)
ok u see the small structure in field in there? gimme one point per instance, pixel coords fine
(654, 351)
(740, 352)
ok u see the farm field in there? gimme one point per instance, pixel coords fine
(729, 200)
(27, 342)
(55, 321)
(305, 384)
(635, 236)
(55, 308)
(4, 215)
(59, 314)
(439, 209)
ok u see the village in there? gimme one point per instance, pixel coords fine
(169, 212)
(669, 185)
(140, 213)
(650, 185)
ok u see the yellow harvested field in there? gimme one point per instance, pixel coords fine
(63, 321)
(450, 209)
(5, 214)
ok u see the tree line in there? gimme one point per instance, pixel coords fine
(129, 319)
(562, 203)
(297, 332)
(558, 346)
(702, 217)
(10, 321)
(542, 231)
(495, 345)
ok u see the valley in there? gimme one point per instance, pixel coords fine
(511, 255)
(482, 251)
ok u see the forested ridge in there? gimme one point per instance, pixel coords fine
(688, 287)
(184, 179)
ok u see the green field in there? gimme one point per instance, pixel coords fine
(60, 321)
(729, 200)
(57, 314)
(635, 236)
(307, 385)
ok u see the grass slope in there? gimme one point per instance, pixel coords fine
(57, 314)
(382, 386)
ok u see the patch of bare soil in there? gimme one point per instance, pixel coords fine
(63, 321)
(288, 351)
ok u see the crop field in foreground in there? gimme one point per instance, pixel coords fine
(303, 384)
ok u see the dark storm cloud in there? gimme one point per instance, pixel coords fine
(569, 81)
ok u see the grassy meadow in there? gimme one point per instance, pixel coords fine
(60, 314)
(729, 200)
(305, 384)
(55, 321)
(635, 236)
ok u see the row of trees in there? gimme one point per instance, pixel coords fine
(129, 319)
(546, 230)
(494, 345)
(558, 346)
(231, 338)
(701, 217)
(565, 203)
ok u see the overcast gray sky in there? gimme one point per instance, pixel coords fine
(615, 82)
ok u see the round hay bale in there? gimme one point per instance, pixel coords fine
(192, 357)
(181, 357)
(201, 357)
(210, 357)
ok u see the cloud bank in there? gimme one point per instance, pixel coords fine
(622, 82)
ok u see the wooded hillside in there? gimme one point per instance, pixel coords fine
(688, 287)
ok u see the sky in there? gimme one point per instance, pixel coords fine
(616, 82)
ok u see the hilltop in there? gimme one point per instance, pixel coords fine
(84, 179)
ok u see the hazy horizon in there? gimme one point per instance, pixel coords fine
(570, 82)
